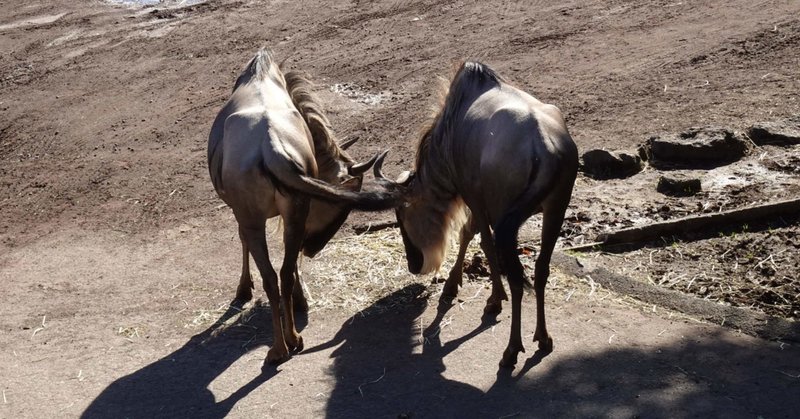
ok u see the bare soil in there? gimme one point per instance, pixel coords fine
(117, 261)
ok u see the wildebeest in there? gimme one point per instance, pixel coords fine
(270, 151)
(491, 158)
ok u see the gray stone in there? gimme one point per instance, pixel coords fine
(698, 147)
(678, 185)
(603, 164)
(783, 133)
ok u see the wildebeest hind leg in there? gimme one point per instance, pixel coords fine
(293, 236)
(257, 243)
(244, 292)
(506, 245)
(552, 218)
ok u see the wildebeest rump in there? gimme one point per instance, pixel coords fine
(270, 151)
(491, 158)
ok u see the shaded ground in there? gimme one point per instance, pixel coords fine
(115, 252)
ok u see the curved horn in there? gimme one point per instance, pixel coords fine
(377, 169)
(358, 169)
(346, 144)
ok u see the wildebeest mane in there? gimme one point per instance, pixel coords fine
(470, 77)
(436, 142)
(326, 149)
(298, 87)
(258, 68)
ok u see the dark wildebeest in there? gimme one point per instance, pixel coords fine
(269, 152)
(491, 158)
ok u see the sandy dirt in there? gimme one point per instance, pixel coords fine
(117, 260)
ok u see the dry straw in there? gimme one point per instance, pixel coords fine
(353, 272)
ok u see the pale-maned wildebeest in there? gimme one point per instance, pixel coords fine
(270, 151)
(491, 158)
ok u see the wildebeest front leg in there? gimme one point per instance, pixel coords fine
(245, 290)
(257, 243)
(494, 305)
(515, 273)
(293, 236)
(455, 278)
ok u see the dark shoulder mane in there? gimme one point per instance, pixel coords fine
(326, 150)
(475, 73)
(471, 77)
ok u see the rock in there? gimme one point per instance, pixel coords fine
(602, 164)
(783, 133)
(678, 186)
(698, 147)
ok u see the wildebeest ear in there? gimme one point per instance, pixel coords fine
(358, 169)
(405, 178)
(345, 145)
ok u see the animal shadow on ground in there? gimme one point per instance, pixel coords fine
(387, 365)
(377, 372)
(177, 385)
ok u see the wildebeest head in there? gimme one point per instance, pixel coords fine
(325, 218)
(423, 226)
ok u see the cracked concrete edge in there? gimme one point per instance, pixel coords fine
(747, 321)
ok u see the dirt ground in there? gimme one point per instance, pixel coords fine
(117, 260)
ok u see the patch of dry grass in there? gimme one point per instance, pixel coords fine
(354, 272)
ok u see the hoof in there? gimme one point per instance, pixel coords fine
(447, 299)
(244, 294)
(277, 356)
(493, 308)
(449, 292)
(545, 344)
(508, 363)
(297, 346)
(510, 356)
(450, 288)
(509, 359)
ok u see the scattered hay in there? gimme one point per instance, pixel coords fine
(129, 332)
(357, 273)
(204, 317)
(354, 272)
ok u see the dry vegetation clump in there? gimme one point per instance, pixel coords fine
(352, 273)
(377, 267)
(754, 269)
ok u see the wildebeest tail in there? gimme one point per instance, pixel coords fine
(288, 174)
(365, 201)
